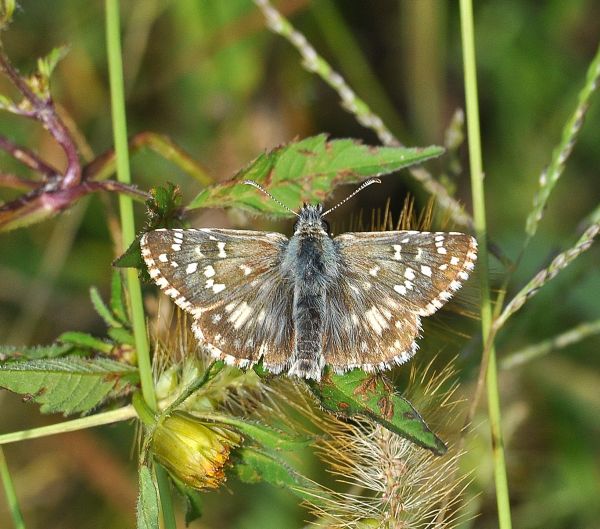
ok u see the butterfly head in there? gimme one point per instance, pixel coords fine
(310, 220)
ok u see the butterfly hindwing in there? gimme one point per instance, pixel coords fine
(390, 280)
(228, 280)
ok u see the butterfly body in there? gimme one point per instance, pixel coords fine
(301, 303)
(311, 261)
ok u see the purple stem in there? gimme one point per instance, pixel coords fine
(15, 182)
(28, 158)
(44, 111)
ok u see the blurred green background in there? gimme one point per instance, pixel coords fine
(209, 75)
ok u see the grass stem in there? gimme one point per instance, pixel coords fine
(98, 419)
(11, 495)
(479, 217)
(117, 93)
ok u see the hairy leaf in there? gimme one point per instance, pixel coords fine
(147, 504)
(117, 303)
(83, 339)
(68, 385)
(359, 393)
(269, 438)
(255, 466)
(102, 310)
(307, 171)
(193, 501)
(11, 352)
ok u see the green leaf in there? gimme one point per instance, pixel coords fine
(6, 103)
(164, 211)
(308, 171)
(122, 336)
(268, 437)
(117, 304)
(85, 340)
(10, 352)
(132, 257)
(68, 385)
(357, 393)
(255, 466)
(193, 501)
(164, 208)
(102, 310)
(47, 64)
(147, 505)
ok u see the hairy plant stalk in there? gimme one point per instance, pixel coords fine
(392, 483)
(560, 155)
(574, 335)
(560, 262)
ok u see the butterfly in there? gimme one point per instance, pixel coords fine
(351, 301)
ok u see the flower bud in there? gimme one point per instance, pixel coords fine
(193, 451)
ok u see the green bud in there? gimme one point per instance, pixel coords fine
(195, 452)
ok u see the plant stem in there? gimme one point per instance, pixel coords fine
(476, 167)
(108, 417)
(115, 65)
(11, 495)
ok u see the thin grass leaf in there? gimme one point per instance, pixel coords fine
(308, 171)
(552, 173)
(68, 385)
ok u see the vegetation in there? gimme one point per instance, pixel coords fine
(85, 334)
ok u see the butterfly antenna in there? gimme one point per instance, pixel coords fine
(261, 188)
(365, 184)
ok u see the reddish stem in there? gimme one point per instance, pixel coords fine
(28, 158)
(44, 111)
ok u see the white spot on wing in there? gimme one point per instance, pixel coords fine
(163, 258)
(218, 287)
(176, 247)
(240, 315)
(221, 246)
(401, 289)
(397, 248)
(209, 271)
(191, 268)
(376, 320)
(409, 273)
(425, 270)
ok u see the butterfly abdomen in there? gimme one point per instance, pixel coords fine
(314, 269)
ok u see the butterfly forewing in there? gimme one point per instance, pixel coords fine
(390, 280)
(229, 281)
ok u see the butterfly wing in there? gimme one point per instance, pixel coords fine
(230, 281)
(389, 281)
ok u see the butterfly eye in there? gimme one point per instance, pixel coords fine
(326, 226)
